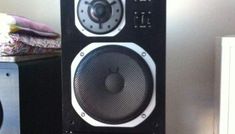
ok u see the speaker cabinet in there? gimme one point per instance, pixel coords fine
(113, 66)
(30, 96)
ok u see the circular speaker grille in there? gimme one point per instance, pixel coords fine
(1, 114)
(113, 84)
(100, 16)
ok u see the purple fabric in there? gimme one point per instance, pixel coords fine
(25, 25)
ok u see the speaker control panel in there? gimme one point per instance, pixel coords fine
(142, 19)
(142, 14)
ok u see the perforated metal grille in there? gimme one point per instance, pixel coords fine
(91, 89)
(112, 14)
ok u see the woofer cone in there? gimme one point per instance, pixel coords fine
(113, 84)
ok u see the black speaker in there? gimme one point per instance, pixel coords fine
(30, 95)
(113, 66)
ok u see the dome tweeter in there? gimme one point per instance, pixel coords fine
(100, 18)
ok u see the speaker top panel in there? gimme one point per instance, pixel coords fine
(99, 17)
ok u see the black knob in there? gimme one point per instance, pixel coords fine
(100, 11)
(1, 114)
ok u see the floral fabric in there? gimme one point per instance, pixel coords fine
(27, 45)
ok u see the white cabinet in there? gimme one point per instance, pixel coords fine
(225, 86)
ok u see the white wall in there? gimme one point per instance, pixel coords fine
(192, 28)
(46, 11)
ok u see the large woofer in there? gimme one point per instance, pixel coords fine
(1, 115)
(113, 84)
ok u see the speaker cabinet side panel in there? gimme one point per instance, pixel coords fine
(9, 97)
(40, 96)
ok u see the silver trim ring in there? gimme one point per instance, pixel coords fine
(133, 123)
(90, 34)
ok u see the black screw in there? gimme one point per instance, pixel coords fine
(72, 122)
(7, 74)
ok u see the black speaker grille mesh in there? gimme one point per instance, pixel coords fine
(113, 107)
